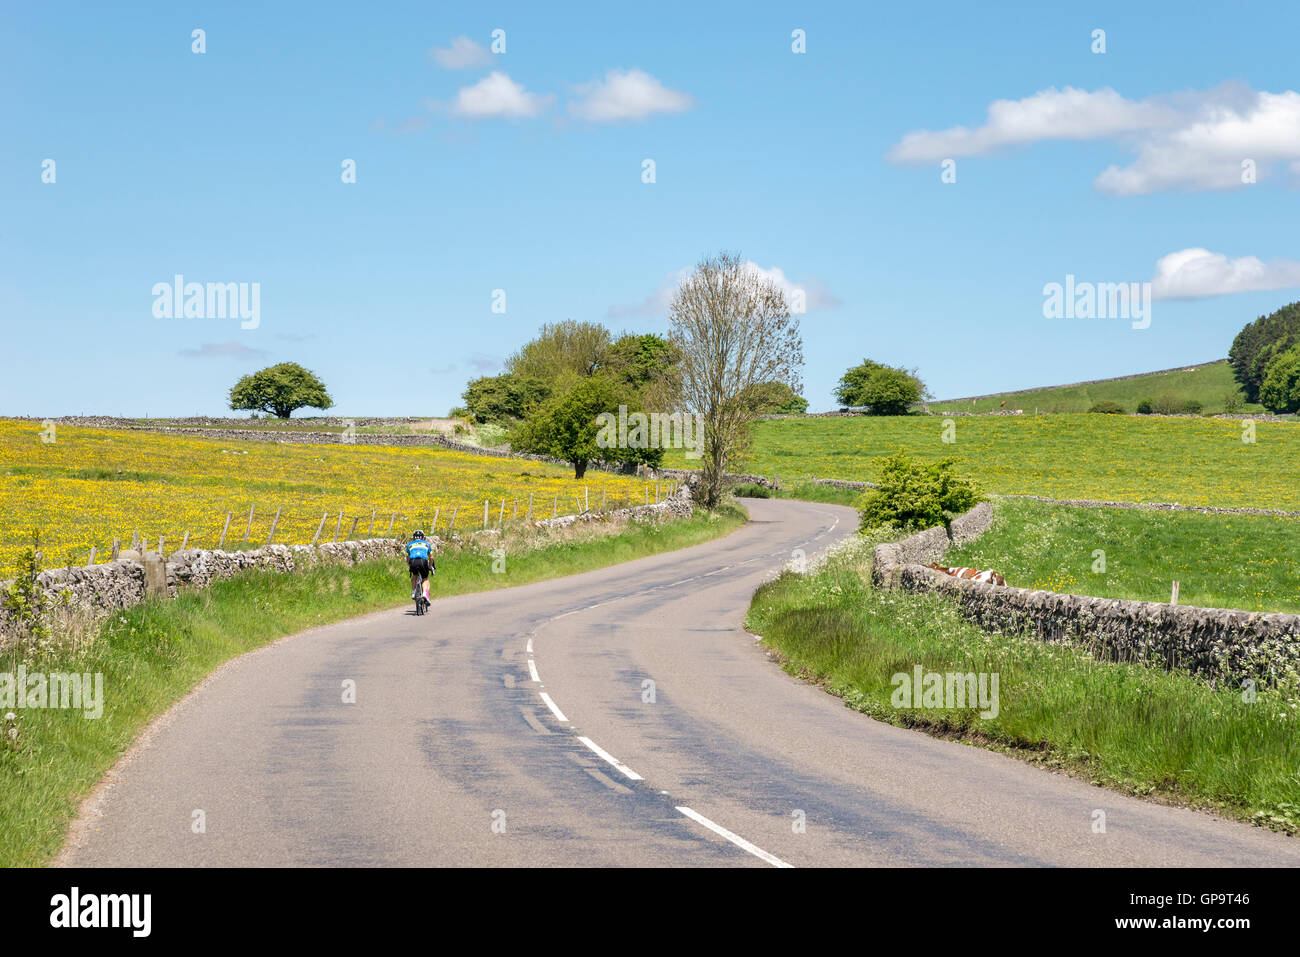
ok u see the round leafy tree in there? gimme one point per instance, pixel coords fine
(280, 389)
(880, 389)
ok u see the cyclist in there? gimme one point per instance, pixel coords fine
(419, 559)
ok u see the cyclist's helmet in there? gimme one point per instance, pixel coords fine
(417, 534)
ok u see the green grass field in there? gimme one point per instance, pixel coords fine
(153, 654)
(804, 491)
(1210, 384)
(1196, 461)
(1220, 561)
(1132, 727)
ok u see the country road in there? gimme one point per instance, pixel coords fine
(510, 728)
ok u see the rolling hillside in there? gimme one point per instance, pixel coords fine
(1210, 383)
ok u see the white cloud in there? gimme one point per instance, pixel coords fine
(223, 350)
(1194, 141)
(1198, 273)
(463, 54)
(626, 95)
(813, 293)
(498, 95)
(1052, 114)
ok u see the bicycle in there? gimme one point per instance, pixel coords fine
(421, 602)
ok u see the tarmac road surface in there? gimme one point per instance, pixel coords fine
(517, 728)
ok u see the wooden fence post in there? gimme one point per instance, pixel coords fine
(451, 526)
(185, 542)
(117, 548)
(485, 508)
(1173, 598)
(530, 506)
(274, 522)
(316, 537)
(249, 528)
(585, 500)
(555, 507)
(161, 540)
(391, 518)
(353, 531)
(224, 528)
(371, 529)
(514, 512)
(501, 513)
(338, 526)
(602, 500)
(92, 555)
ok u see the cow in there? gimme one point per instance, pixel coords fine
(989, 576)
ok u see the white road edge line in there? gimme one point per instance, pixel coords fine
(546, 699)
(532, 669)
(627, 772)
(736, 839)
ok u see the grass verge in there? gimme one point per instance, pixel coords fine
(1132, 727)
(150, 656)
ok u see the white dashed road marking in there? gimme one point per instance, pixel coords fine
(627, 772)
(559, 715)
(736, 839)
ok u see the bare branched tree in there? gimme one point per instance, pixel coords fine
(734, 330)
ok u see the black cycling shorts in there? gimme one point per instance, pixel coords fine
(419, 566)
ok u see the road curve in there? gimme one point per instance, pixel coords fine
(451, 755)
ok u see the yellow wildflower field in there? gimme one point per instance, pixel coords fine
(92, 485)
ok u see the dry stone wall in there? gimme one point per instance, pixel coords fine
(1212, 642)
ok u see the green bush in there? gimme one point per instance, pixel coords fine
(26, 603)
(912, 494)
(504, 398)
(1168, 404)
(1106, 407)
(1192, 407)
(774, 398)
(1144, 407)
(1233, 402)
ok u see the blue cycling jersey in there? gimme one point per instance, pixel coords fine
(418, 549)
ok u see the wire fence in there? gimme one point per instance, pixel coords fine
(260, 525)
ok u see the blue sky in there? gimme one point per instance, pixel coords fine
(522, 171)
